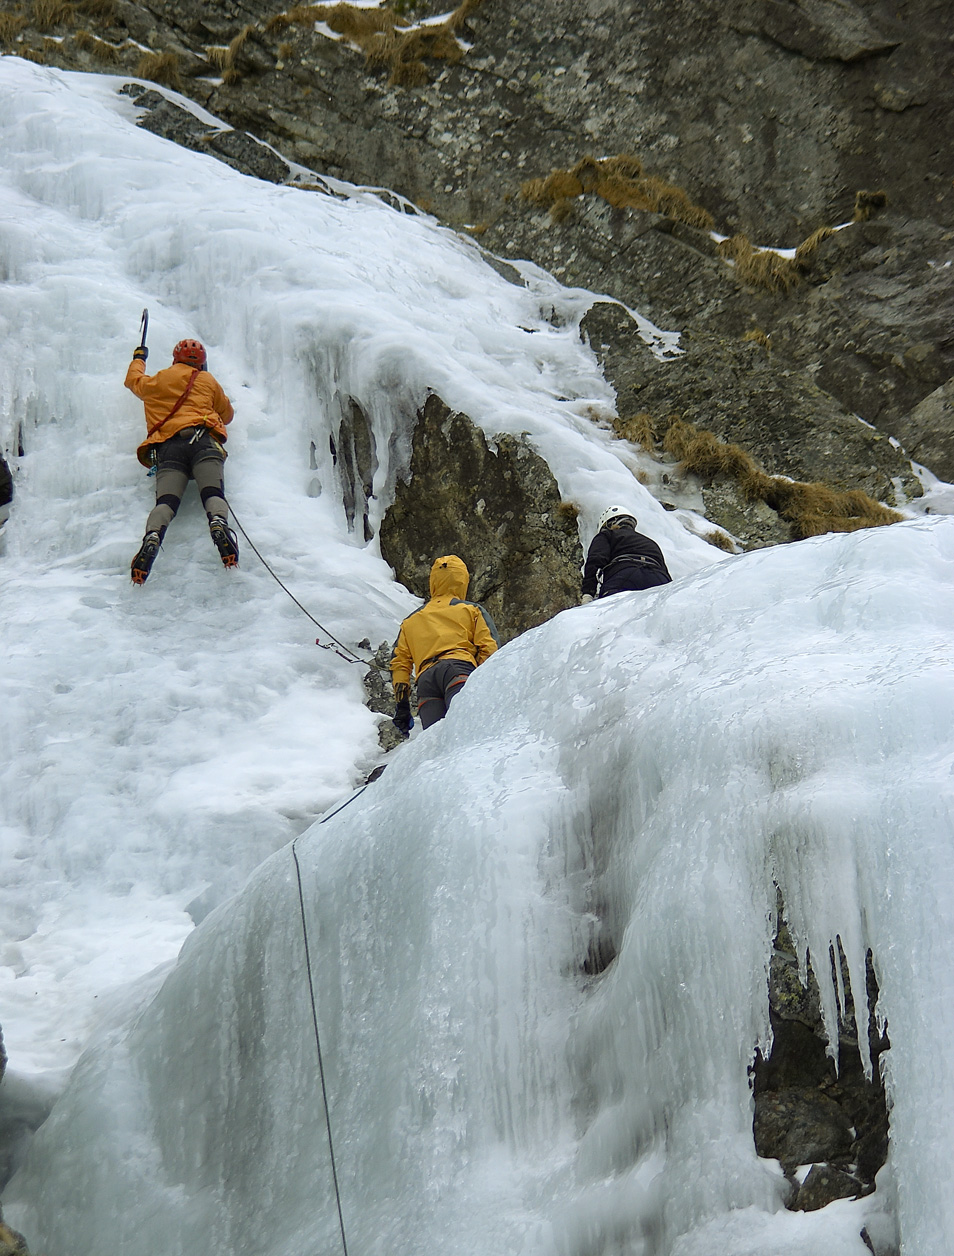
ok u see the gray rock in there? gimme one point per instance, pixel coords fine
(754, 524)
(800, 1127)
(6, 498)
(927, 433)
(819, 29)
(747, 397)
(807, 1111)
(823, 1185)
(378, 696)
(236, 148)
(497, 506)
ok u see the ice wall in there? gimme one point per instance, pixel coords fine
(156, 745)
(652, 766)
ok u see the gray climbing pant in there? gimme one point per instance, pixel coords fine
(441, 682)
(190, 454)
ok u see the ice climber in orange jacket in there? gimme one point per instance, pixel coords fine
(442, 643)
(186, 416)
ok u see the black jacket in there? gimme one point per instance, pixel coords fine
(623, 544)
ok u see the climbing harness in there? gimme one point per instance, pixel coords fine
(314, 1020)
(641, 560)
(338, 646)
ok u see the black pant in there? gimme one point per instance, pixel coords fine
(439, 684)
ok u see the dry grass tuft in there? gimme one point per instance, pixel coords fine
(97, 48)
(225, 59)
(809, 508)
(759, 268)
(622, 183)
(808, 247)
(33, 54)
(105, 11)
(759, 337)
(721, 541)
(11, 24)
(160, 67)
(386, 37)
(569, 510)
(556, 187)
(866, 203)
(49, 14)
(638, 429)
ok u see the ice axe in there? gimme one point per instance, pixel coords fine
(143, 328)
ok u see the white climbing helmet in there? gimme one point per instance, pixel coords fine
(616, 512)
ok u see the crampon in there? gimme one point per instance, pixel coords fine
(225, 541)
(142, 563)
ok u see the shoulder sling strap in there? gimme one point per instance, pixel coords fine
(163, 421)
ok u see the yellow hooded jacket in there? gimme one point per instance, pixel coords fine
(446, 627)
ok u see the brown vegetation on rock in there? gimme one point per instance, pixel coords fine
(810, 509)
(808, 247)
(49, 14)
(97, 48)
(622, 183)
(639, 429)
(105, 11)
(385, 37)
(759, 337)
(769, 269)
(721, 541)
(866, 203)
(11, 24)
(759, 268)
(224, 59)
(160, 67)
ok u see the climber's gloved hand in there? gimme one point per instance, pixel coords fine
(140, 353)
(587, 597)
(403, 720)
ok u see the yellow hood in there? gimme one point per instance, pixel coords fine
(449, 577)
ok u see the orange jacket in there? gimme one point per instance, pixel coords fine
(446, 627)
(205, 406)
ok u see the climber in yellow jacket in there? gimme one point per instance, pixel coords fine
(186, 416)
(441, 643)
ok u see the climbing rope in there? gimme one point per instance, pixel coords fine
(351, 656)
(314, 1020)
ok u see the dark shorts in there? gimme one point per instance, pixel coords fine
(435, 689)
(183, 450)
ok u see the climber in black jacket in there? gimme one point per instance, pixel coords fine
(621, 558)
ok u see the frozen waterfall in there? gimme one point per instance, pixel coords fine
(650, 769)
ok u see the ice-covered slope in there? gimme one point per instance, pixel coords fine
(668, 760)
(157, 744)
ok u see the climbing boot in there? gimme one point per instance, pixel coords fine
(142, 563)
(225, 541)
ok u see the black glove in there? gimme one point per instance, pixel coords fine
(403, 720)
(140, 353)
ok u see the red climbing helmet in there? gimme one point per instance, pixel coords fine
(192, 352)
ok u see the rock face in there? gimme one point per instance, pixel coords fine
(6, 497)
(497, 507)
(769, 114)
(928, 431)
(746, 395)
(806, 1111)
